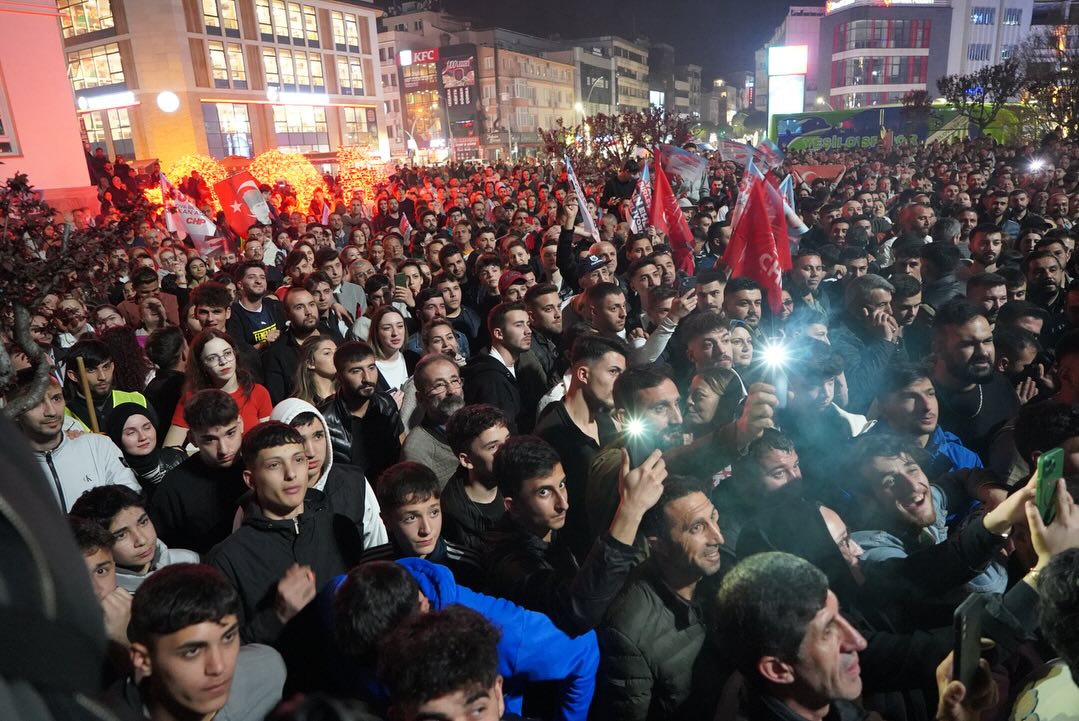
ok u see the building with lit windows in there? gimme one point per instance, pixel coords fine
(631, 69)
(873, 52)
(166, 78)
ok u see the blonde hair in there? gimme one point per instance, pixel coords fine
(303, 383)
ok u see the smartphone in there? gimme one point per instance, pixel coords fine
(968, 638)
(1050, 470)
(640, 444)
(400, 280)
(687, 285)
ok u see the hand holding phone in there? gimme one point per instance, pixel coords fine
(1050, 470)
(968, 638)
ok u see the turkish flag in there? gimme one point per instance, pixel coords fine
(668, 219)
(242, 202)
(754, 250)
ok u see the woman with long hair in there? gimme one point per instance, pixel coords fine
(133, 369)
(197, 272)
(315, 375)
(387, 336)
(134, 430)
(713, 400)
(213, 362)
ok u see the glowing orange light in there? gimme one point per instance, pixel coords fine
(211, 171)
(294, 169)
(357, 171)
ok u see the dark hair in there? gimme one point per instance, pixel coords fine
(208, 409)
(593, 347)
(90, 535)
(1042, 426)
(101, 504)
(878, 445)
(406, 482)
(484, 261)
(311, 281)
(239, 269)
(497, 317)
(815, 360)
(432, 655)
(375, 283)
(164, 346)
(1011, 312)
(351, 352)
(132, 365)
(373, 599)
(538, 290)
(92, 351)
(900, 375)
(210, 294)
(178, 596)
(914, 248)
(739, 284)
(601, 291)
(655, 522)
(764, 607)
(521, 459)
(197, 378)
(324, 256)
(467, 424)
(906, 286)
(425, 295)
(956, 312)
(1058, 587)
(294, 258)
(144, 276)
(1036, 255)
(985, 280)
(636, 379)
(1011, 342)
(268, 434)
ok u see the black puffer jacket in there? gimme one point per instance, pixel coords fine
(372, 443)
(488, 380)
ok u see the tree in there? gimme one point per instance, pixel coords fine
(39, 256)
(1051, 59)
(979, 96)
(605, 141)
(917, 105)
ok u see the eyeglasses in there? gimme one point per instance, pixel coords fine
(440, 387)
(218, 360)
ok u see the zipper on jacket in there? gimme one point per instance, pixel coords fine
(296, 525)
(56, 480)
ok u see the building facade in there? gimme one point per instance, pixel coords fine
(631, 69)
(168, 78)
(801, 26)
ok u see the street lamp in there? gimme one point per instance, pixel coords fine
(825, 103)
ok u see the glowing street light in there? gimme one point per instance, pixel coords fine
(168, 102)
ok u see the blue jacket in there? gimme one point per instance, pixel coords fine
(531, 648)
(943, 444)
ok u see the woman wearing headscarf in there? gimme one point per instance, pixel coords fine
(134, 429)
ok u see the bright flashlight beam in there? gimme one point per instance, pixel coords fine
(1037, 164)
(635, 426)
(775, 355)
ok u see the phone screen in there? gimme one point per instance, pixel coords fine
(1050, 470)
(400, 280)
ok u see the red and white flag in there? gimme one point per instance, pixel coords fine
(242, 202)
(754, 250)
(668, 219)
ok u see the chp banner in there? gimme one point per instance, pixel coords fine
(182, 215)
(684, 169)
(242, 202)
(641, 202)
(735, 152)
(582, 201)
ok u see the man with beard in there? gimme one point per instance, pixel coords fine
(440, 393)
(988, 291)
(280, 359)
(975, 400)
(866, 336)
(527, 561)
(364, 424)
(256, 319)
(545, 317)
(579, 425)
(742, 301)
(1045, 287)
(101, 377)
(986, 245)
(492, 377)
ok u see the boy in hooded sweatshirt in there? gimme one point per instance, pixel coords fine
(339, 481)
(136, 549)
(374, 598)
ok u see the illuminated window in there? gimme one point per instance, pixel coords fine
(983, 16)
(287, 22)
(359, 126)
(94, 125)
(349, 75)
(346, 31)
(227, 65)
(218, 65)
(79, 17)
(120, 130)
(1012, 16)
(294, 70)
(269, 66)
(95, 67)
(228, 129)
(301, 128)
(220, 15)
(978, 51)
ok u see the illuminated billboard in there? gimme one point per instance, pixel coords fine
(788, 60)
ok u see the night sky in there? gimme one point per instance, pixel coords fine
(720, 35)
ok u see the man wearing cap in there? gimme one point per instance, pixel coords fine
(512, 285)
(591, 271)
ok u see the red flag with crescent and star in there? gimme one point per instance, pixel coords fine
(242, 202)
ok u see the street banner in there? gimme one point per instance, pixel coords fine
(582, 201)
(685, 170)
(182, 215)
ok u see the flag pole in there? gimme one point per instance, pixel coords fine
(84, 380)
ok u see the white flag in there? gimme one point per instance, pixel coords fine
(182, 215)
(589, 223)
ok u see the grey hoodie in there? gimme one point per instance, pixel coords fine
(163, 556)
(374, 531)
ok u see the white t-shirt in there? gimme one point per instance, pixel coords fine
(395, 372)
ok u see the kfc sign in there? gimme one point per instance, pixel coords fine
(409, 57)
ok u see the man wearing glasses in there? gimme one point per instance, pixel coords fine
(440, 394)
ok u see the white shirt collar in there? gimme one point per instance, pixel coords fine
(495, 354)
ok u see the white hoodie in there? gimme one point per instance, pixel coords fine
(82, 462)
(374, 531)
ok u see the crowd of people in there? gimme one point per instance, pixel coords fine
(443, 454)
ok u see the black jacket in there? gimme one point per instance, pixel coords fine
(194, 505)
(488, 380)
(545, 576)
(372, 443)
(258, 554)
(280, 360)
